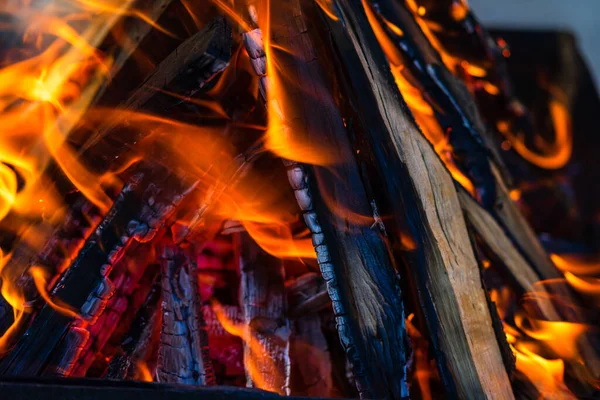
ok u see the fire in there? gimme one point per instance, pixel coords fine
(423, 369)
(548, 154)
(143, 372)
(555, 154)
(421, 109)
(257, 350)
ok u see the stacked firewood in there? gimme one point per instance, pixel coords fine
(162, 287)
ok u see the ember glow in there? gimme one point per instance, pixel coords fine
(187, 178)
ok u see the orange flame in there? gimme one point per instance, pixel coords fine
(421, 109)
(142, 372)
(257, 350)
(553, 155)
(40, 278)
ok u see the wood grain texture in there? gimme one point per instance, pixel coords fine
(183, 347)
(421, 195)
(353, 255)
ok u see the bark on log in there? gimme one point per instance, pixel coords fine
(263, 302)
(419, 194)
(353, 257)
(183, 349)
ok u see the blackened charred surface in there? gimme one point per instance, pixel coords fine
(420, 196)
(183, 73)
(61, 389)
(472, 143)
(183, 349)
(132, 278)
(354, 258)
(83, 285)
(263, 302)
(68, 237)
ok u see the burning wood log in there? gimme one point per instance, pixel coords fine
(183, 350)
(263, 302)
(194, 63)
(422, 197)
(353, 258)
(377, 196)
(183, 73)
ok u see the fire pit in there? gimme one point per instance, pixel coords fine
(323, 198)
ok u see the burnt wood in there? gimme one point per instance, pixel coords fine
(311, 360)
(136, 345)
(183, 348)
(263, 303)
(183, 73)
(353, 257)
(418, 193)
(138, 213)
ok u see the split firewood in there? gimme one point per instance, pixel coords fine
(353, 258)
(263, 303)
(183, 349)
(524, 274)
(309, 351)
(414, 58)
(461, 114)
(420, 196)
(136, 29)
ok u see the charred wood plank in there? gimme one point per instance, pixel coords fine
(200, 58)
(473, 144)
(183, 349)
(263, 303)
(420, 195)
(354, 259)
(137, 214)
(184, 72)
(136, 29)
(132, 278)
